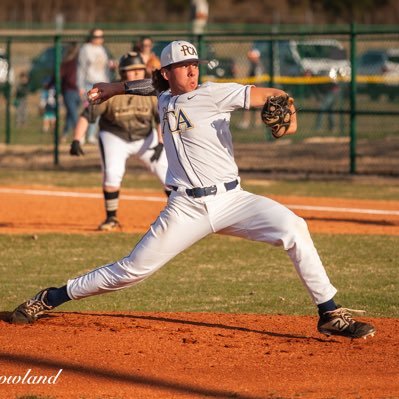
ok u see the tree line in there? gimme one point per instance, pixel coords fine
(36, 12)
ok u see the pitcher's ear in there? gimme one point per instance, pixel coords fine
(164, 73)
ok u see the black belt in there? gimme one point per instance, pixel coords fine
(198, 192)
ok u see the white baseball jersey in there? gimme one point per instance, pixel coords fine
(197, 138)
(199, 149)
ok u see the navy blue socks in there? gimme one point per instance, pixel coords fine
(57, 296)
(327, 307)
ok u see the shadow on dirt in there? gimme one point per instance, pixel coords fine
(131, 378)
(201, 324)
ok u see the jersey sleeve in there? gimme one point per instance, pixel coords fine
(141, 87)
(230, 96)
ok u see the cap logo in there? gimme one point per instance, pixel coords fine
(190, 50)
(179, 51)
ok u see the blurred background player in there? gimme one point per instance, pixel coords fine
(129, 125)
(144, 47)
(94, 65)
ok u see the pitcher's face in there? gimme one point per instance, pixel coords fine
(182, 77)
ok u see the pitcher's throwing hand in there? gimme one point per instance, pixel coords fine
(103, 91)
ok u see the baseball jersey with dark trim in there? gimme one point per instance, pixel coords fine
(197, 137)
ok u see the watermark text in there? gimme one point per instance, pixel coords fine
(30, 378)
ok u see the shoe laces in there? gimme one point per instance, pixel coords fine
(35, 306)
(344, 312)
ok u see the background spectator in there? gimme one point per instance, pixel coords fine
(47, 106)
(144, 47)
(20, 101)
(255, 71)
(94, 65)
(199, 15)
(327, 95)
(69, 87)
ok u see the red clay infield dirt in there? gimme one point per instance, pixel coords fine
(189, 355)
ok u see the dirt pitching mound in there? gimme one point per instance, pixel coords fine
(190, 355)
(196, 355)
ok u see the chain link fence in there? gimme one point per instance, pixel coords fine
(345, 85)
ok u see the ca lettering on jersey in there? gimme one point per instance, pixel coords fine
(177, 121)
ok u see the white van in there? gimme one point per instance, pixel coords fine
(321, 57)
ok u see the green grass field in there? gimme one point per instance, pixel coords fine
(217, 274)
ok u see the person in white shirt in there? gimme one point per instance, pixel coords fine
(94, 65)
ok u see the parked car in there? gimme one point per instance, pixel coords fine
(292, 58)
(286, 64)
(378, 73)
(307, 57)
(218, 67)
(286, 60)
(323, 57)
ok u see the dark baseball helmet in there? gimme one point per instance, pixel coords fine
(131, 60)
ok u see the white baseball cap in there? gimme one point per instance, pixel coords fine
(179, 51)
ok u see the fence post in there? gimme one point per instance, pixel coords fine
(272, 49)
(353, 134)
(202, 51)
(57, 79)
(8, 93)
(272, 55)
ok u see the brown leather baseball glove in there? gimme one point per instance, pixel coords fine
(277, 114)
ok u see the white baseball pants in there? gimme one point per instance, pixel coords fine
(186, 220)
(116, 151)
